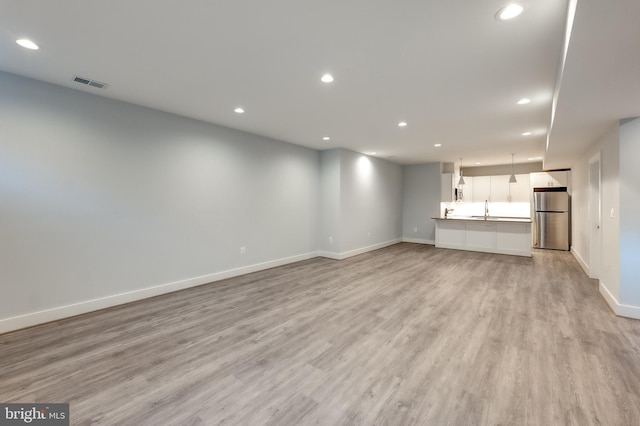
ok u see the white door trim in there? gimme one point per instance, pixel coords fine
(595, 217)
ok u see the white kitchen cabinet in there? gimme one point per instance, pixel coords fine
(481, 189)
(467, 189)
(550, 179)
(512, 237)
(499, 189)
(520, 191)
(451, 233)
(480, 236)
(494, 236)
(559, 178)
(538, 180)
(446, 187)
(502, 191)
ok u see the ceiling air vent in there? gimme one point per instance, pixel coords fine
(90, 82)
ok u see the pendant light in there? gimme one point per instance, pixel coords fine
(461, 181)
(512, 178)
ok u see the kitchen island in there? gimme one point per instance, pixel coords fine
(503, 235)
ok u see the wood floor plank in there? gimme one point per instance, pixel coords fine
(406, 335)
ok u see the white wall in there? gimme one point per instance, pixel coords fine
(420, 202)
(100, 198)
(610, 226)
(580, 237)
(630, 213)
(609, 147)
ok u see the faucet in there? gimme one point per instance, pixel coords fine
(486, 208)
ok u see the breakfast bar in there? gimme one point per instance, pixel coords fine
(503, 235)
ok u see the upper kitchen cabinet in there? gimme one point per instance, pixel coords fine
(499, 189)
(520, 191)
(481, 189)
(550, 179)
(465, 192)
(502, 191)
(446, 187)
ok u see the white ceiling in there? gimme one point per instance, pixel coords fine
(448, 68)
(601, 82)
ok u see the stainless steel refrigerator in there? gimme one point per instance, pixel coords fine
(551, 218)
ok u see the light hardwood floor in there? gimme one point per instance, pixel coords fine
(409, 334)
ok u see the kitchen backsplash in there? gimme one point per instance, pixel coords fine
(495, 209)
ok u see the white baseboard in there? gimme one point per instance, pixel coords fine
(54, 314)
(626, 311)
(418, 241)
(580, 260)
(351, 253)
(608, 297)
(329, 255)
(629, 311)
(58, 313)
(510, 252)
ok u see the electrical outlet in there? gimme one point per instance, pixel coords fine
(415, 229)
(330, 240)
(243, 250)
(613, 213)
(368, 234)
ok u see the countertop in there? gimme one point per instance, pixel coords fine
(487, 219)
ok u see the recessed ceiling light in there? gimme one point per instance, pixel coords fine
(524, 101)
(534, 158)
(373, 153)
(327, 78)
(437, 145)
(402, 124)
(526, 134)
(477, 162)
(28, 44)
(510, 11)
(326, 138)
(239, 110)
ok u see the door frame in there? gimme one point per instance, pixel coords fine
(595, 216)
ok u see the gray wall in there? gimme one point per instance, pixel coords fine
(100, 197)
(329, 229)
(103, 202)
(370, 201)
(420, 201)
(630, 212)
(361, 202)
